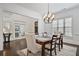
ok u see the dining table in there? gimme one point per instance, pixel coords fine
(43, 41)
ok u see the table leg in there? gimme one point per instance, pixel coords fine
(61, 43)
(43, 50)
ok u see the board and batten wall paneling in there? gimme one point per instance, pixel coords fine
(74, 14)
(1, 31)
(16, 18)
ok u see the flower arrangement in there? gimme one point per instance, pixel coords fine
(45, 34)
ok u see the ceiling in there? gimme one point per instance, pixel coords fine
(42, 8)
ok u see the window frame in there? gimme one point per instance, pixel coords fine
(69, 26)
(64, 25)
(19, 23)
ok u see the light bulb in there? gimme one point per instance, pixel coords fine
(52, 17)
(44, 16)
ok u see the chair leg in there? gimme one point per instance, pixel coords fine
(50, 52)
(59, 47)
(27, 52)
(51, 49)
(59, 44)
(55, 49)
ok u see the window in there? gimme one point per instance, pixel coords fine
(6, 27)
(68, 26)
(63, 25)
(60, 25)
(54, 26)
(19, 30)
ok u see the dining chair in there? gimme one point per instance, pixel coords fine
(60, 41)
(32, 46)
(22, 52)
(61, 38)
(52, 45)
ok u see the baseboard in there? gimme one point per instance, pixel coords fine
(71, 44)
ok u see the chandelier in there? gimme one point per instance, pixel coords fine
(49, 17)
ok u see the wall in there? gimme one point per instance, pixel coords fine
(1, 35)
(14, 8)
(19, 9)
(13, 18)
(40, 26)
(13, 13)
(48, 28)
(74, 13)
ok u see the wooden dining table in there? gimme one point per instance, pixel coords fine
(43, 41)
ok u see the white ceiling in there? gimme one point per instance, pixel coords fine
(43, 7)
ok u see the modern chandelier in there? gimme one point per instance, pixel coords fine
(49, 17)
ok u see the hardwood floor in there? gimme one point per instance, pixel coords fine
(21, 44)
(14, 46)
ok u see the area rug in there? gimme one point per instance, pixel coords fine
(66, 51)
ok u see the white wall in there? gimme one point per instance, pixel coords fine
(14, 13)
(13, 18)
(40, 26)
(20, 10)
(48, 28)
(1, 33)
(23, 11)
(74, 13)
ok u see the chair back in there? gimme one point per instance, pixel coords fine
(61, 35)
(54, 39)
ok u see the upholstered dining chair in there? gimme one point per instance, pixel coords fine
(32, 46)
(22, 52)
